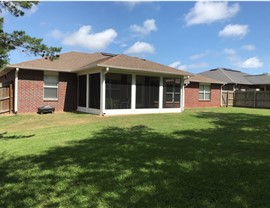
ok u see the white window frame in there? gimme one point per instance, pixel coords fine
(48, 73)
(204, 92)
(174, 92)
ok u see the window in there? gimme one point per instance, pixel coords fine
(171, 93)
(94, 91)
(50, 85)
(82, 91)
(204, 92)
(147, 92)
(118, 91)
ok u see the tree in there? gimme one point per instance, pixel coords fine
(19, 39)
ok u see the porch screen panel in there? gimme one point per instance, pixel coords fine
(118, 91)
(94, 91)
(82, 91)
(147, 92)
(171, 90)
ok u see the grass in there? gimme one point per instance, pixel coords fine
(200, 158)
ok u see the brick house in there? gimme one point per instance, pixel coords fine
(97, 83)
(202, 92)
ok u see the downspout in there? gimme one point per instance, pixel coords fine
(221, 92)
(234, 86)
(16, 91)
(183, 92)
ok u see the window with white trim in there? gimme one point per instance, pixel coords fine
(204, 91)
(50, 85)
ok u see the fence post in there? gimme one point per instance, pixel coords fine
(255, 99)
(227, 101)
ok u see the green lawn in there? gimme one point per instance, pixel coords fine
(199, 158)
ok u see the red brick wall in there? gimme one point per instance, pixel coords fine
(30, 91)
(192, 96)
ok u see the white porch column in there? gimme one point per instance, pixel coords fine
(160, 102)
(87, 91)
(102, 92)
(182, 102)
(133, 92)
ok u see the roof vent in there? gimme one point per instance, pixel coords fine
(108, 54)
(140, 58)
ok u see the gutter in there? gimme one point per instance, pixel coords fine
(35, 68)
(142, 70)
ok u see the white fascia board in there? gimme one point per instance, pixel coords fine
(127, 70)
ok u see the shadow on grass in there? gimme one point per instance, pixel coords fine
(225, 166)
(4, 136)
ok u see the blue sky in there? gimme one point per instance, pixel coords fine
(193, 36)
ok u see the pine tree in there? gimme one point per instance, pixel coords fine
(19, 39)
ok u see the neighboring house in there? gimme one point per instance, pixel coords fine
(202, 92)
(98, 83)
(237, 80)
(234, 79)
(260, 81)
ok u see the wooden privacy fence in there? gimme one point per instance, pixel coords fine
(227, 98)
(253, 99)
(6, 99)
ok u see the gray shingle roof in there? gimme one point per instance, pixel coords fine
(259, 79)
(75, 61)
(227, 76)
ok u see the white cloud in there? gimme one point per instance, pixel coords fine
(200, 55)
(84, 37)
(148, 26)
(249, 47)
(123, 45)
(179, 65)
(175, 64)
(253, 62)
(237, 61)
(229, 51)
(234, 31)
(130, 4)
(57, 34)
(206, 12)
(140, 48)
(33, 9)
